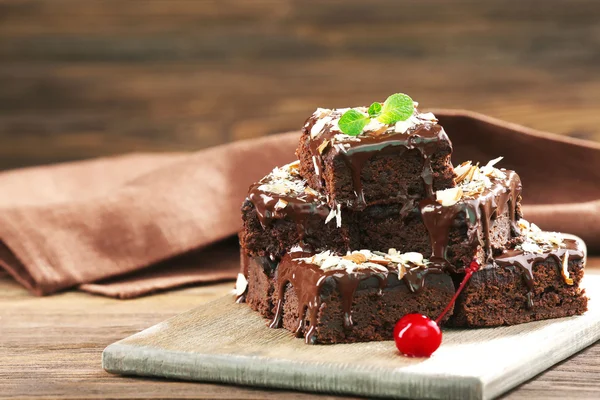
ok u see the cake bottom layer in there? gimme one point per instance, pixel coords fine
(328, 301)
(374, 309)
(504, 295)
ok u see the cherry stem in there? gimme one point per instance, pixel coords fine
(469, 271)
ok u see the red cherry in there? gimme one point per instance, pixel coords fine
(417, 336)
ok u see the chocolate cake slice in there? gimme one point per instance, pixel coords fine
(475, 220)
(385, 164)
(537, 279)
(327, 298)
(282, 211)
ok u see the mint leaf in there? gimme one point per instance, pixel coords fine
(397, 107)
(375, 109)
(353, 122)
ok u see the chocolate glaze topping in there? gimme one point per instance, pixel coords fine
(298, 205)
(357, 151)
(307, 280)
(480, 210)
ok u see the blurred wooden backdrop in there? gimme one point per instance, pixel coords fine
(83, 78)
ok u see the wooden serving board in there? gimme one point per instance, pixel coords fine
(227, 342)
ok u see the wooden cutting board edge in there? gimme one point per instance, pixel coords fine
(125, 359)
(495, 386)
(257, 371)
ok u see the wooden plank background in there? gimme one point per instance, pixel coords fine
(58, 341)
(89, 78)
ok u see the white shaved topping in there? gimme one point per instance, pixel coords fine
(335, 212)
(284, 180)
(316, 165)
(449, 197)
(366, 260)
(331, 215)
(538, 241)
(241, 284)
(374, 125)
(318, 126)
(474, 180)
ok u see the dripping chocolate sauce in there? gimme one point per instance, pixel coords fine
(356, 153)
(300, 207)
(479, 212)
(308, 279)
(526, 261)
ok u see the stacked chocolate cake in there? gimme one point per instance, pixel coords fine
(368, 227)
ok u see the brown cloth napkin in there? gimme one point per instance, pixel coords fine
(130, 225)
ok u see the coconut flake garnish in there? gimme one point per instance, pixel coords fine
(283, 180)
(471, 180)
(537, 241)
(366, 260)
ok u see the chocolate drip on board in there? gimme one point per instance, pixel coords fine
(526, 261)
(308, 279)
(357, 153)
(479, 211)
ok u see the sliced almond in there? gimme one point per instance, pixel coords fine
(338, 216)
(523, 224)
(318, 126)
(428, 116)
(380, 261)
(357, 258)
(323, 146)
(471, 173)
(311, 191)
(401, 271)
(280, 205)
(331, 215)
(241, 284)
(531, 247)
(413, 257)
(493, 162)
(449, 197)
(403, 126)
(462, 170)
(565, 269)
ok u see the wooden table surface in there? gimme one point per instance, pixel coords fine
(51, 348)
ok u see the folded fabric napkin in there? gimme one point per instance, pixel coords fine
(130, 225)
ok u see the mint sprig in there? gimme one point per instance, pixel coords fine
(397, 107)
(353, 122)
(375, 109)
